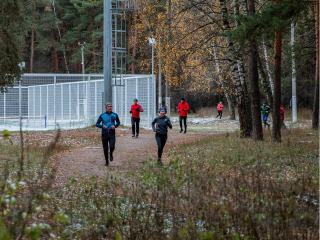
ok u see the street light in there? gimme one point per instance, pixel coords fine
(152, 43)
(82, 54)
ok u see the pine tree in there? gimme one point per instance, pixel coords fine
(10, 22)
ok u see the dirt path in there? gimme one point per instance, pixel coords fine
(89, 160)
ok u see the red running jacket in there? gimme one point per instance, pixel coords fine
(282, 113)
(220, 107)
(183, 109)
(136, 109)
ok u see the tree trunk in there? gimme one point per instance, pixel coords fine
(228, 96)
(276, 129)
(315, 112)
(32, 37)
(240, 85)
(32, 50)
(135, 39)
(294, 88)
(265, 84)
(265, 52)
(55, 63)
(57, 23)
(257, 132)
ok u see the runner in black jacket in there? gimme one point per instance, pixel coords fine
(160, 127)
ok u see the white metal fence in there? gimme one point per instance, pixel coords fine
(72, 100)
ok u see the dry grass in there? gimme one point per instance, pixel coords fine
(222, 187)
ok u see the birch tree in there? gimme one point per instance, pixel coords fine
(238, 78)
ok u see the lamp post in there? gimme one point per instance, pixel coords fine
(82, 55)
(107, 53)
(152, 43)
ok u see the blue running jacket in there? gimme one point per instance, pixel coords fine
(108, 120)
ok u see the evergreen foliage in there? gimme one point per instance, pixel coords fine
(10, 22)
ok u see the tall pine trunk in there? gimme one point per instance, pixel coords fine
(315, 112)
(276, 129)
(257, 132)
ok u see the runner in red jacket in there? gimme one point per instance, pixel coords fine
(135, 117)
(220, 108)
(283, 125)
(183, 109)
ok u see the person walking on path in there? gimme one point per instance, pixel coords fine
(220, 108)
(183, 109)
(160, 126)
(265, 110)
(108, 122)
(283, 125)
(135, 117)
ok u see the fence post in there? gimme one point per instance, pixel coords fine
(78, 108)
(154, 99)
(20, 104)
(54, 100)
(28, 104)
(89, 99)
(40, 112)
(114, 100)
(149, 102)
(125, 101)
(137, 97)
(34, 106)
(47, 110)
(70, 103)
(95, 100)
(62, 104)
(4, 106)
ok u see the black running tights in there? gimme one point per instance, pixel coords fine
(161, 141)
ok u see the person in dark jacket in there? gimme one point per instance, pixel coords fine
(160, 126)
(108, 122)
(135, 117)
(265, 110)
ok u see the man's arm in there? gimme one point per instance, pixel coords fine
(141, 109)
(117, 122)
(98, 122)
(179, 107)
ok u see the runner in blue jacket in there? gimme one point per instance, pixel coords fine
(108, 122)
(160, 127)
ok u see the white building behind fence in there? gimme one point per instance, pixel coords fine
(73, 100)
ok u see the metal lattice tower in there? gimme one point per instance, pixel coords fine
(115, 43)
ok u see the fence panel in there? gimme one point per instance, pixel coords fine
(72, 100)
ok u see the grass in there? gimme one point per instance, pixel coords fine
(219, 188)
(222, 187)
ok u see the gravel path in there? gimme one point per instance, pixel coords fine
(89, 160)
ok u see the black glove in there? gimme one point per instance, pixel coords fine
(182, 109)
(138, 109)
(130, 111)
